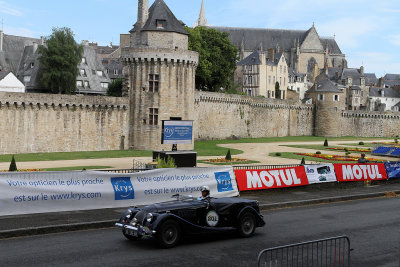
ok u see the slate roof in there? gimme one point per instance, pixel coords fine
(332, 73)
(30, 66)
(252, 59)
(392, 77)
(160, 11)
(354, 74)
(388, 92)
(270, 38)
(371, 78)
(392, 83)
(105, 50)
(355, 88)
(13, 48)
(323, 84)
(112, 66)
(3, 74)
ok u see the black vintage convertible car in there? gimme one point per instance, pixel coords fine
(169, 221)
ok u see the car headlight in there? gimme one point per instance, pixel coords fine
(134, 221)
(149, 217)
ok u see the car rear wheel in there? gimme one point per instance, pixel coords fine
(130, 237)
(169, 234)
(247, 224)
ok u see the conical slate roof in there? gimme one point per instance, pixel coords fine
(160, 11)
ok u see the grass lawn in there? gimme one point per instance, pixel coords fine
(78, 168)
(203, 148)
(229, 163)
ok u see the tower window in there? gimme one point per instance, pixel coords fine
(154, 80)
(161, 23)
(153, 116)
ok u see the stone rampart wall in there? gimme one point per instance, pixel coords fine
(50, 123)
(222, 116)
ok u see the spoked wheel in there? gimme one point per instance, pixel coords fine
(247, 225)
(169, 234)
(130, 237)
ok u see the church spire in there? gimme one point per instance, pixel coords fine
(202, 21)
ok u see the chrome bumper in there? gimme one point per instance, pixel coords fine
(135, 231)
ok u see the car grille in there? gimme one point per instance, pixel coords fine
(140, 216)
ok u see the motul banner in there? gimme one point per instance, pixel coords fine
(267, 179)
(360, 172)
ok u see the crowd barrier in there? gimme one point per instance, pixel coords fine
(42, 192)
(260, 178)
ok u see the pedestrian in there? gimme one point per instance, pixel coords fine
(362, 159)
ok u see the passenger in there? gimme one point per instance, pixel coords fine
(205, 193)
(363, 159)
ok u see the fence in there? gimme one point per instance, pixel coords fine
(264, 167)
(126, 170)
(324, 252)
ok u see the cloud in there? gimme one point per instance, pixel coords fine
(5, 8)
(395, 39)
(376, 62)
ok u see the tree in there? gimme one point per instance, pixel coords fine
(59, 59)
(326, 142)
(303, 161)
(217, 58)
(228, 155)
(115, 88)
(277, 91)
(13, 165)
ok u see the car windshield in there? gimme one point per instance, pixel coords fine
(183, 197)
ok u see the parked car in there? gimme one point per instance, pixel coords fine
(167, 222)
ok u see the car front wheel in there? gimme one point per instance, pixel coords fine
(247, 224)
(169, 234)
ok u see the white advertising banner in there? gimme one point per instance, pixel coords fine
(41, 192)
(322, 173)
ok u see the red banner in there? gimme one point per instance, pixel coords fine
(267, 179)
(360, 172)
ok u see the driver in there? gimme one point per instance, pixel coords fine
(205, 193)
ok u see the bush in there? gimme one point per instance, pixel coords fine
(228, 155)
(348, 153)
(346, 149)
(361, 143)
(318, 152)
(303, 161)
(326, 142)
(169, 163)
(278, 154)
(13, 165)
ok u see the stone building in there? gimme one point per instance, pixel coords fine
(159, 75)
(329, 100)
(298, 83)
(260, 71)
(10, 83)
(383, 99)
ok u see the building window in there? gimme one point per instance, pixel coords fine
(274, 79)
(336, 98)
(284, 69)
(335, 109)
(87, 84)
(321, 97)
(269, 79)
(283, 94)
(154, 80)
(104, 85)
(100, 73)
(298, 89)
(32, 65)
(115, 72)
(82, 72)
(269, 94)
(273, 94)
(284, 82)
(250, 80)
(84, 60)
(280, 81)
(161, 23)
(272, 68)
(250, 67)
(153, 116)
(27, 79)
(79, 84)
(280, 67)
(107, 71)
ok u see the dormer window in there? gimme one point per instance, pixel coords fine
(161, 23)
(32, 65)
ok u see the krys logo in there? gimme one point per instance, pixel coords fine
(123, 188)
(168, 131)
(224, 182)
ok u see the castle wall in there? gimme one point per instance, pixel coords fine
(222, 116)
(369, 124)
(51, 123)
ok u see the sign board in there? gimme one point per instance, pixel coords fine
(321, 173)
(393, 170)
(177, 132)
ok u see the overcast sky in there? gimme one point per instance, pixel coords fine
(367, 31)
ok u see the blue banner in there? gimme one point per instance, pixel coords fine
(178, 132)
(393, 170)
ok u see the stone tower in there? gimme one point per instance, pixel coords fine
(159, 75)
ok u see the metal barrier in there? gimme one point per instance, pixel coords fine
(325, 252)
(126, 170)
(264, 167)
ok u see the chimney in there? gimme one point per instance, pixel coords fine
(271, 54)
(362, 70)
(337, 76)
(381, 82)
(35, 47)
(382, 92)
(85, 42)
(1, 40)
(42, 40)
(143, 13)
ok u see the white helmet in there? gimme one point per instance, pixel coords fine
(205, 188)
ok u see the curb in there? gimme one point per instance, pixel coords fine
(51, 229)
(300, 203)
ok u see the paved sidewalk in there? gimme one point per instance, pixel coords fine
(22, 225)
